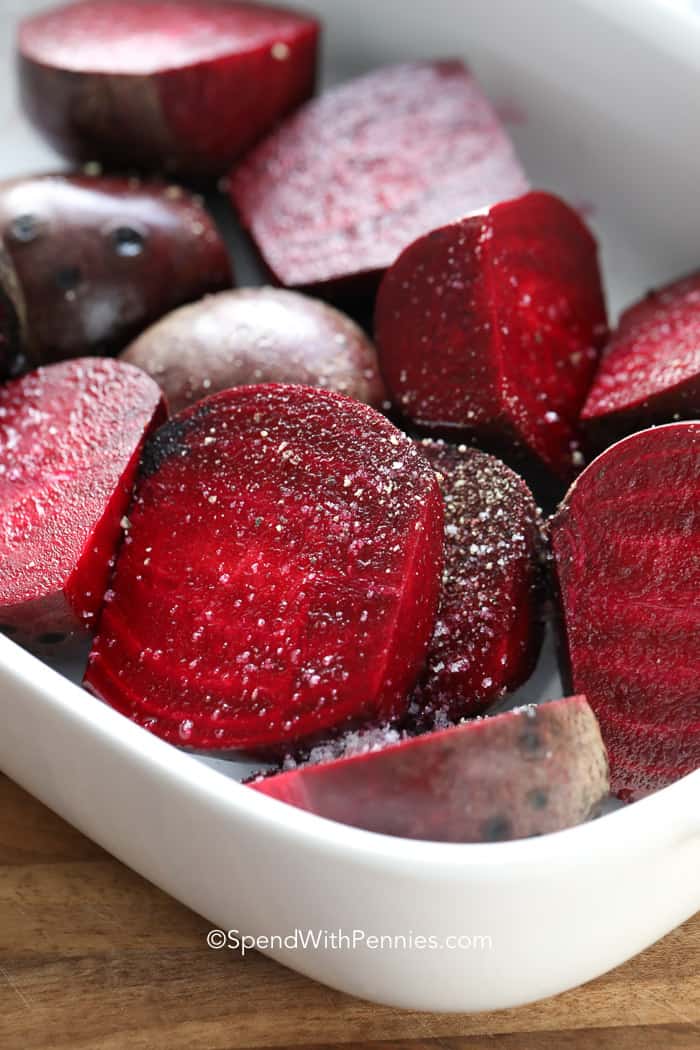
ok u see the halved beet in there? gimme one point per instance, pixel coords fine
(650, 372)
(98, 259)
(173, 85)
(281, 572)
(335, 194)
(257, 335)
(492, 326)
(488, 631)
(526, 772)
(13, 335)
(626, 543)
(71, 436)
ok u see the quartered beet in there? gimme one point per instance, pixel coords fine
(488, 631)
(335, 194)
(70, 439)
(257, 335)
(98, 259)
(626, 543)
(281, 572)
(174, 85)
(492, 326)
(13, 336)
(522, 773)
(650, 372)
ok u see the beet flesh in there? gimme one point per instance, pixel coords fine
(179, 86)
(650, 371)
(257, 335)
(489, 629)
(281, 572)
(491, 327)
(344, 185)
(626, 543)
(70, 439)
(522, 773)
(13, 335)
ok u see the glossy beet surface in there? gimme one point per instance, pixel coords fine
(626, 542)
(348, 182)
(98, 259)
(488, 629)
(182, 85)
(492, 326)
(70, 440)
(650, 372)
(522, 773)
(280, 576)
(257, 335)
(13, 335)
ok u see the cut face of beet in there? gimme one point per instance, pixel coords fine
(98, 259)
(488, 630)
(70, 439)
(13, 334)
(522, 773)
(626, 543)
(257, 335)
(335, 194)
(280, 576)
(182, 85)
(492, 325)
(650, 372)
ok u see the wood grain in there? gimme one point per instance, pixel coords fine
(92, 957)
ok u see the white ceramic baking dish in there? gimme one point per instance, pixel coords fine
(604, 102)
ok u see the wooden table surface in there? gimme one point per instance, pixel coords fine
(92, 957)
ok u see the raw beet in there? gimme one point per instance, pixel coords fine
(626, 543)
(492, 325)
(488, 631)
(13, 335)
(281, 572)
(98, 259)
(335, 194)
(173, 85)
(70, 439)
(650, 372)
(522, 773)
(257, 335)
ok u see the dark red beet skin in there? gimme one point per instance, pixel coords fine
(491, 326)
(626, 543)
(650, 372)
(280, 575)
(522, 773)
(335, 194)
(179, 86)
(488, 631)
(71, 435)
(98, 259)
(13, 335)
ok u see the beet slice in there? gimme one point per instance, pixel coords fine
(650, 372)
(98, 259)
(335, 194)
(70, 439)
(488, 631)
(182, 85)
(522, 773)
(626, 543)
(281, 574)
(491, 326)
(13, 335)
(257, 335)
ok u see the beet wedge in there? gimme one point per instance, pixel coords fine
(650, 371)
(98, 259)
(70, 439)
(526, 772)
(491, 326)
(257, 335)
(489, 627)
(13, 336)
(626, 544)
(281, 573)
(170, 85)
(344, 185)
